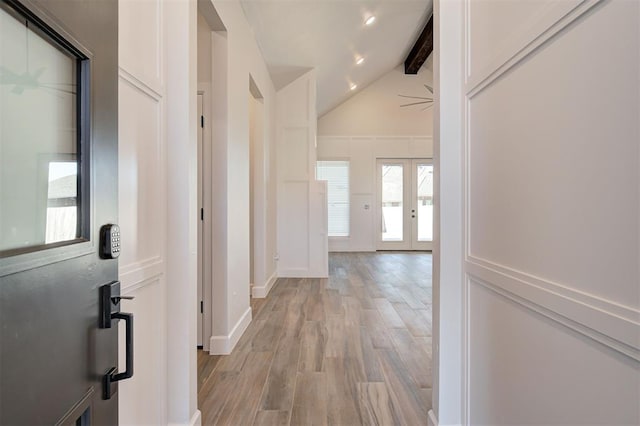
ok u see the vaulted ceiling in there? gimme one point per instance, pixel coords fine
(330, 36)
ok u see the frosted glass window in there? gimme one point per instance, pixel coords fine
(40, 192)
(336, 173)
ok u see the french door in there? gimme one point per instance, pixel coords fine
(405, 204)
(59, 294)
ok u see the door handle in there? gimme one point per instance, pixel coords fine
(112, 375)
(109, 311)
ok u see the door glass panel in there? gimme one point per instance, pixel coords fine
(425, 202)
(62, 208)
(392, 202)
(39, 139)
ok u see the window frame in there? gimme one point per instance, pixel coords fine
(17, 260)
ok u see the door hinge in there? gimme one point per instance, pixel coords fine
(201, 307)
(202, 214)
(202, 121)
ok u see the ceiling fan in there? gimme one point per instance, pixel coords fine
(427, 101)
(28, 80)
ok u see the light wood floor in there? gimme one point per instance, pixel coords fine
(348, 350)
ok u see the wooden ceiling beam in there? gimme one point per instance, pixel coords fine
(421, 49)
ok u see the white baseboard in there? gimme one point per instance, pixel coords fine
(262, 291)
(196, 420)
(432, 420)
(223, 345)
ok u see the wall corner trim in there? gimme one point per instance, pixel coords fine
(261, 292)
(223, 345)
(432, 420)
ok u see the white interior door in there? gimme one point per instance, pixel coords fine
(405, 210)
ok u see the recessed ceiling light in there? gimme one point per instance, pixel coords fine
(360, 60)
(353, 86)
(370, 20)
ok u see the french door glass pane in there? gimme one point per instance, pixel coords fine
(392, 202)
(425, 202)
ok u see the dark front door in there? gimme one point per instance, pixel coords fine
(58, 186)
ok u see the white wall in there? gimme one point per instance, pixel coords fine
(551, 213)
(362, 153)
(156, 201)
(236, 57)
(372, 125)
(142, 191)
(262, 202)
(204, 50)
(376, 110)
(302, 203)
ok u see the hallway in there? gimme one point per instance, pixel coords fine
(351, 349)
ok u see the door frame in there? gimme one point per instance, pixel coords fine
(205, 227)
(410, 233)
(450, 404)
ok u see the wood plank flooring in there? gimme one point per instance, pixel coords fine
(353, 349)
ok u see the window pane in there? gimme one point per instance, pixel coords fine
(392, 200)
(38, 138)
(336, 173)
(62, 210)
(425, 202)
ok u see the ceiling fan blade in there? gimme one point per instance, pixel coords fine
(58, 84)
(57, 92)
(415, 103)
(57, 89)
(415, 97)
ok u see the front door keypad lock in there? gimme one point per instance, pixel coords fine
(109, 241)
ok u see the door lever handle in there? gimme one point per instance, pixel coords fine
(117, 299)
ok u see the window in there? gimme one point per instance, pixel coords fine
(336, 173)
(44, 111)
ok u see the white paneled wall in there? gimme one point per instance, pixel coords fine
(302, 201)
(362, 152)
(142, 207)
(235, 59)
(551, 212)
(158, 261)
